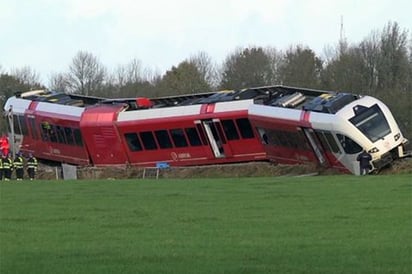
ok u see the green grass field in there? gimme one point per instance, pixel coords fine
(322, 224)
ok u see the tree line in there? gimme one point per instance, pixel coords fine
(380, 65)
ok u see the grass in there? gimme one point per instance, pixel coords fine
(323, 224)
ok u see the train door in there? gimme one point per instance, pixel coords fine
(214, 136)
(316, 146)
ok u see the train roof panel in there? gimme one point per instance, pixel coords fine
(60, 109)
(157, 113)
(18, 105)
(56, 97)
(233, 106)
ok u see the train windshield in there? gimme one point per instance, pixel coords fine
(372, 123)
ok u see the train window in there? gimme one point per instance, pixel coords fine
(45, 129)
(349, 146)
(44, 135)
(220, 132)
(302, 141)
(194, 138)
(245, 128)
(323, 141)
(202, 134)
(148, 140)
(263, 136)
(332, 142)
(371, 122)
(230, 130)
(294, 139)
(16, 126)
(33, 128)
(163, 139)
(23, 125)
(52, 134)
(178, 137)
(284, 138)
(77, 137)
(271, 137)
(69, 135)
(133, 141)
(61, 138)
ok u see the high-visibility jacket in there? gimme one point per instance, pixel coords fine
(19, 162)
(1, 163)
(7, 163)
(32, 163)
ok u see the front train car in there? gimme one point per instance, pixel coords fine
(368, 124)
(331, 129)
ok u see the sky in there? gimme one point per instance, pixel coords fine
(46, 34)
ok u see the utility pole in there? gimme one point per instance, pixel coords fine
(342, 39)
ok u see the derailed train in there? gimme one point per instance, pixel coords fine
(287, 125)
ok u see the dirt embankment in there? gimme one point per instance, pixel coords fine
(213, 171)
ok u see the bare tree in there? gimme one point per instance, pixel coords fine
(129, 73)
(86, 74)
(118, 76)
(276, 59)
(132, 80)
(27, 76)
(59, 82)
(370, 51)
(206, 67)
(393, 61)
(134, 71)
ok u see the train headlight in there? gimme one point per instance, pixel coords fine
(397, 136)
(373, 150)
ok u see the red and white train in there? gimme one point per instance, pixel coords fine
(277, 123)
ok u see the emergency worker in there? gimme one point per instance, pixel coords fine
(19, 166)
(31, 166)
(7, 167)
(364, 159)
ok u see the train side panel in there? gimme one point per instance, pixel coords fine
(101, 135)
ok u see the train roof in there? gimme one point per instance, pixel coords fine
(277, 96)
(55, 97)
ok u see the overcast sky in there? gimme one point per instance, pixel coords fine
(47, 34)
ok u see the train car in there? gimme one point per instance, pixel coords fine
(328, 128)
(208, 130)
(47, 124)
